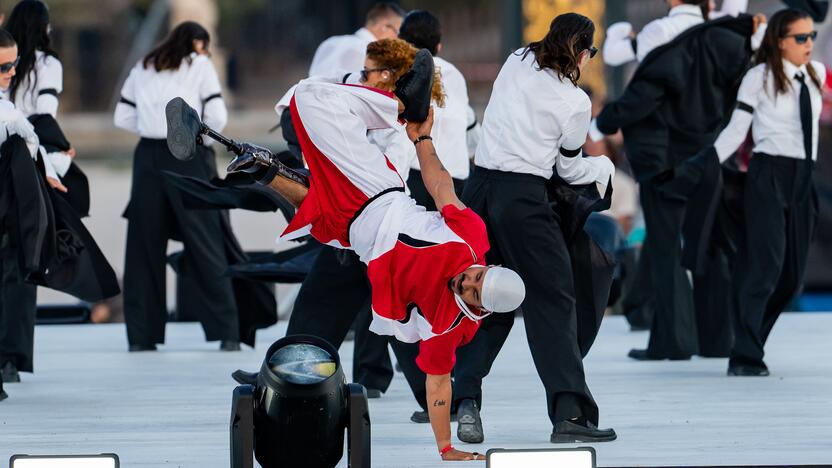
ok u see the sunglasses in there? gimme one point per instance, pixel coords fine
(592, 51)
(7, 67)
(803, 38)
(365, 73)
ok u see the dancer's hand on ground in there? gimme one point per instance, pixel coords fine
(57, 185)
(417, 129)
(459, 455)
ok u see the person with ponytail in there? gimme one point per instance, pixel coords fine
(179, 67)
(780, 100)
(534, 127)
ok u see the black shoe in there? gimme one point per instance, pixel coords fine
(569, 432)
(643, 355)
(229, 345)
(469, 423)
(3, 395)
(137, 348)
(414, 88)
(373, 393)
(264, 166)
(9, 373)
(422, 417)
(746, 370)
(243, 377)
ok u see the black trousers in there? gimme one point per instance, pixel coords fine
(637, 304)
(334, 294)
(781, 210)
(525, 236)
(713, 298)
(155, 214)
(673, 332)
(17, 311)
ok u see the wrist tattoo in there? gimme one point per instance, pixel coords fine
(439, 403)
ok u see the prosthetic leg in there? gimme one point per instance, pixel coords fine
(185, 131)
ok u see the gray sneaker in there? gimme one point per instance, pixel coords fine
(469, 427)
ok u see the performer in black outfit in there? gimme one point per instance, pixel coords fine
(666, 118)
(547, 120)
(780, 100)
(180, 66)
(34, 89)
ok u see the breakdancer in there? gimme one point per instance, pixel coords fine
(429, 282)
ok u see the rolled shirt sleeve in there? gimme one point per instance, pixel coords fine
(569, 163)
(748, 96)
(50, 83)
(214, 112)
(126, 117)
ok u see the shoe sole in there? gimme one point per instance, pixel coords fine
(468, 430)
(576, 439)
(734, 374)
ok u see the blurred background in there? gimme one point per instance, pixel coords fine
(262, 47)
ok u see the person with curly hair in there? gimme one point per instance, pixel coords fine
(428, 279)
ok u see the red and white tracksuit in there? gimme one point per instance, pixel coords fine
(356, 200)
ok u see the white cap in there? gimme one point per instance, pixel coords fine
(502, 290)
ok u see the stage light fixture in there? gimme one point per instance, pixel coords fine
(296, 413)
(581, 457)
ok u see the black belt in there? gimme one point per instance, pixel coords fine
(367, 203)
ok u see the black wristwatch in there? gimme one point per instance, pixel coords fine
(422, 138)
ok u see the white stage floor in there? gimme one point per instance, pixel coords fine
(171, 408)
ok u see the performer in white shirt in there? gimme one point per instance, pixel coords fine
(180, 66)
(449, 132)
(535, 124)
(345, 54)
(35, 82)
(622, 45)
(780, 100)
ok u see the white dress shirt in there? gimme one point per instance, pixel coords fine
(38, 92)
(536, 122)
(341, 54)
(450, 123)
(774, 119)
(618, 48)
(146, 92)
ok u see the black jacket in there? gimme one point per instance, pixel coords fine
(52, 245)
(681, 95)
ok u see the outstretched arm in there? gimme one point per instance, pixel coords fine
(437, 180)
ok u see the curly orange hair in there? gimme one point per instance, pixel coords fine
(398, 56)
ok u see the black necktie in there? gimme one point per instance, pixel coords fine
(805, 115)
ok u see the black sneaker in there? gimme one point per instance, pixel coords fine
(139, 348)
(422, 417)
(469, 423)
(569, 432)
(3, 395)
(414, 88)
(742, 370)
(373, 393)
(9, 373)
